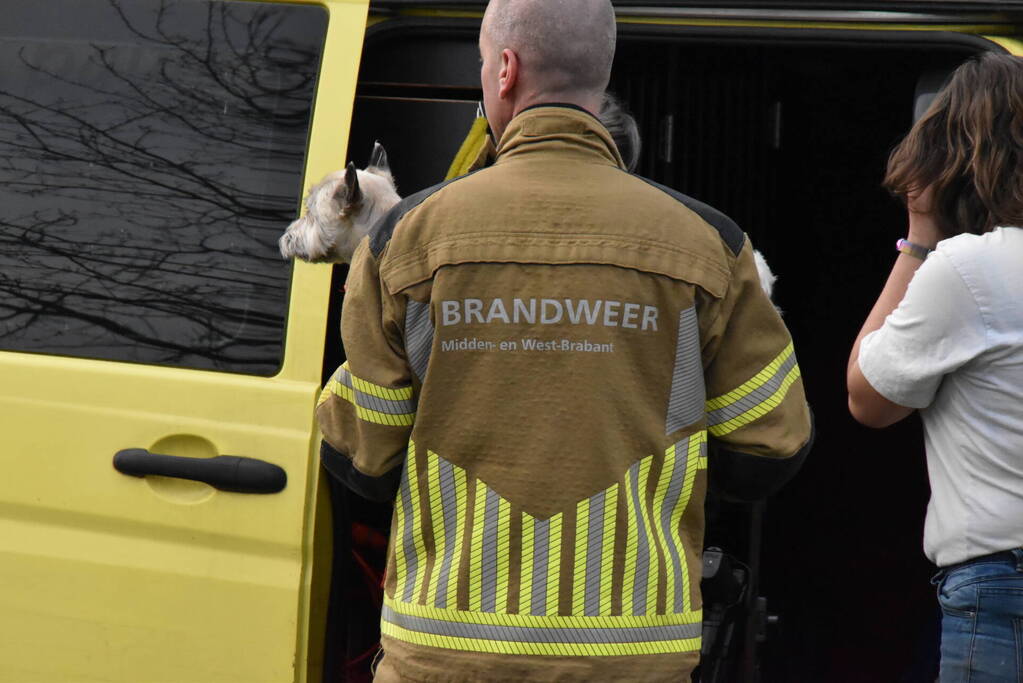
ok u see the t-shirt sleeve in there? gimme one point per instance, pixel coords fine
(936, 329)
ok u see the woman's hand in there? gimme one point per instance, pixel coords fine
(923, 229)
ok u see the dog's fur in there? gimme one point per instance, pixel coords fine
(340, 210)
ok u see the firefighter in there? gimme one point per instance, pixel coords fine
(540, 355)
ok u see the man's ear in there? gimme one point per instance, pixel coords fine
(508, 78)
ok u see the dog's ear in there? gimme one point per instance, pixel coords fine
(353, 193)
(378, 159)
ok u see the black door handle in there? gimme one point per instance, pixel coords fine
(224, 472)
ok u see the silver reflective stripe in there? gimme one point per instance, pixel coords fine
(418, 337)
(688, 395)
(449, 501)
(754, 398)
(594, 548)
(488, 570)
(541, 546)
(408, 542)
(542, 634)
(643, 545)
(380, 405)
(671, 497)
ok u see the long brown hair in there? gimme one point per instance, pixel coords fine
(968, 147)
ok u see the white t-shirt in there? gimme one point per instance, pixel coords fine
(954, 349)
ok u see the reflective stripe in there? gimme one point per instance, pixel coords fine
(541, 546)
(407, 550)
(528, 554)
(553, 569)
(454, 559)
(688, 395)
(503, 553)
(756, 397)
(488, 564)
(661, 539)
(449, 512)
(594, 555)
(418, 337)
(496, 620)
(519, 634)
(442, 518)
(671, 513)
(608, 551)
(696, 459)
(476, 548)
(373, 403)
(582, 525)
(640, 578)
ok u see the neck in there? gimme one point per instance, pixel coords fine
(588, 101)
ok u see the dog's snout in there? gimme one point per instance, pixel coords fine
(287, 245)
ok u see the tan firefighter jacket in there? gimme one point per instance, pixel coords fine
(537, 355)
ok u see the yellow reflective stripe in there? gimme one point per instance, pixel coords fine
(401, 510)
(437, 517)
(400, 561)
(540, 621)
(325, 393)
(461, 519)
(540, 635)
(751, 385)
(654, 572)
(402, 394)
(693, 464)
(554, 563)
(631, 545)
(403, 420)
(582, 516)
(476, 549)
(526, 566)
(607, 550)
(539, 649)
(417, 522)
(702, 458)
(667, 467)
(760, 409)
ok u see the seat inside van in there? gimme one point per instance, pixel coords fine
(787, 132)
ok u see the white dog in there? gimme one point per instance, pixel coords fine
(340, 210)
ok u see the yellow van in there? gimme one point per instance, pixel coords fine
(162, 512)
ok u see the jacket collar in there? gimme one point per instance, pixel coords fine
(565, 129)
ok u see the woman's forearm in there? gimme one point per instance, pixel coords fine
(865, 403)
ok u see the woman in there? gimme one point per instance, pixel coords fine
(946, 338)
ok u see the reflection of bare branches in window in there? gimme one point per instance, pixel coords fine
(144, 177)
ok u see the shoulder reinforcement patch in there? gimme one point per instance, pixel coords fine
(732, 235)
(380, 234)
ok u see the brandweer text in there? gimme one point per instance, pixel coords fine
(549, 312)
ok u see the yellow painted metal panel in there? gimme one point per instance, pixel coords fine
(1013, 45)
(106, 577)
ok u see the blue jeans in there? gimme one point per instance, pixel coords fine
(982, 619)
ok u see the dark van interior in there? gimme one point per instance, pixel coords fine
(787, 131)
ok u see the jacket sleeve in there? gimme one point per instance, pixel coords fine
(759, 423)
(367, 409)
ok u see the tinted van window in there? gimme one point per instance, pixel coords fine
(151, 153)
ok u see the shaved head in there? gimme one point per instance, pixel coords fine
(566, 46)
